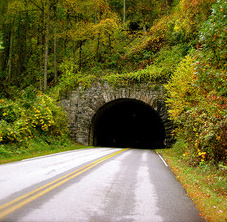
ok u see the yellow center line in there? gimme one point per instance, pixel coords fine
(48, 187)
(49, 184)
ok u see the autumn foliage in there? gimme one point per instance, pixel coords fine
(197, 92)
(34, 116)
(56, 45)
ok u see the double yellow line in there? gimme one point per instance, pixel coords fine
(21, 201)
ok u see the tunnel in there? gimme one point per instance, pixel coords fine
(127, 123)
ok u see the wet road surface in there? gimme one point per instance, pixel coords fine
(94, 185)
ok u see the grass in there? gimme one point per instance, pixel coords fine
(205, 184)
(34, 150)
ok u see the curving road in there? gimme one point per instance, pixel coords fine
(94, 185)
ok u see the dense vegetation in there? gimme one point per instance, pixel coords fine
(49, 46)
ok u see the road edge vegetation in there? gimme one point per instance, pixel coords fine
(36, 150)
(205, 184)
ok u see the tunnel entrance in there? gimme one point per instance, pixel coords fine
(127, 123)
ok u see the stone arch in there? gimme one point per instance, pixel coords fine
(83, 106)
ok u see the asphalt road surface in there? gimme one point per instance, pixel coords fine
(95, 185)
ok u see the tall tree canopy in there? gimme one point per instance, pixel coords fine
(39, 35)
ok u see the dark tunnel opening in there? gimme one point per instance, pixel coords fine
(128, 123)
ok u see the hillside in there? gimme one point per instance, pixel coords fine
(50, 46)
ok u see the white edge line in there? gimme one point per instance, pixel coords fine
(50, 155)
(162, 159)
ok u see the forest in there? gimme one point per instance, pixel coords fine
(48, 47)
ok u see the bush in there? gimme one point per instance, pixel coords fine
(187, 19)
(34, 115)
(200, 115)
(182, 93)
(212, 63)
(4, 152)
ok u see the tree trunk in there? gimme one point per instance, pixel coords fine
(40, 45)
(10, 57)
(55, 46)
(26, 31)
(46, 53)
(167, 11)
(124, 9)
(144, 25)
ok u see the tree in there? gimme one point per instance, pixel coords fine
(145, 9)
(124, 16)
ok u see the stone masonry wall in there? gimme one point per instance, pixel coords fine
(82, 105)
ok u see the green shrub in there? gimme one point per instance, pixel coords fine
(33, 116)
(211, 59)
(4, 152)
(200, 115)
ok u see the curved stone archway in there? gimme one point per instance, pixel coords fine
(87, 110)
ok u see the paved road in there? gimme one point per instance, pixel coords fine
(95, 185)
